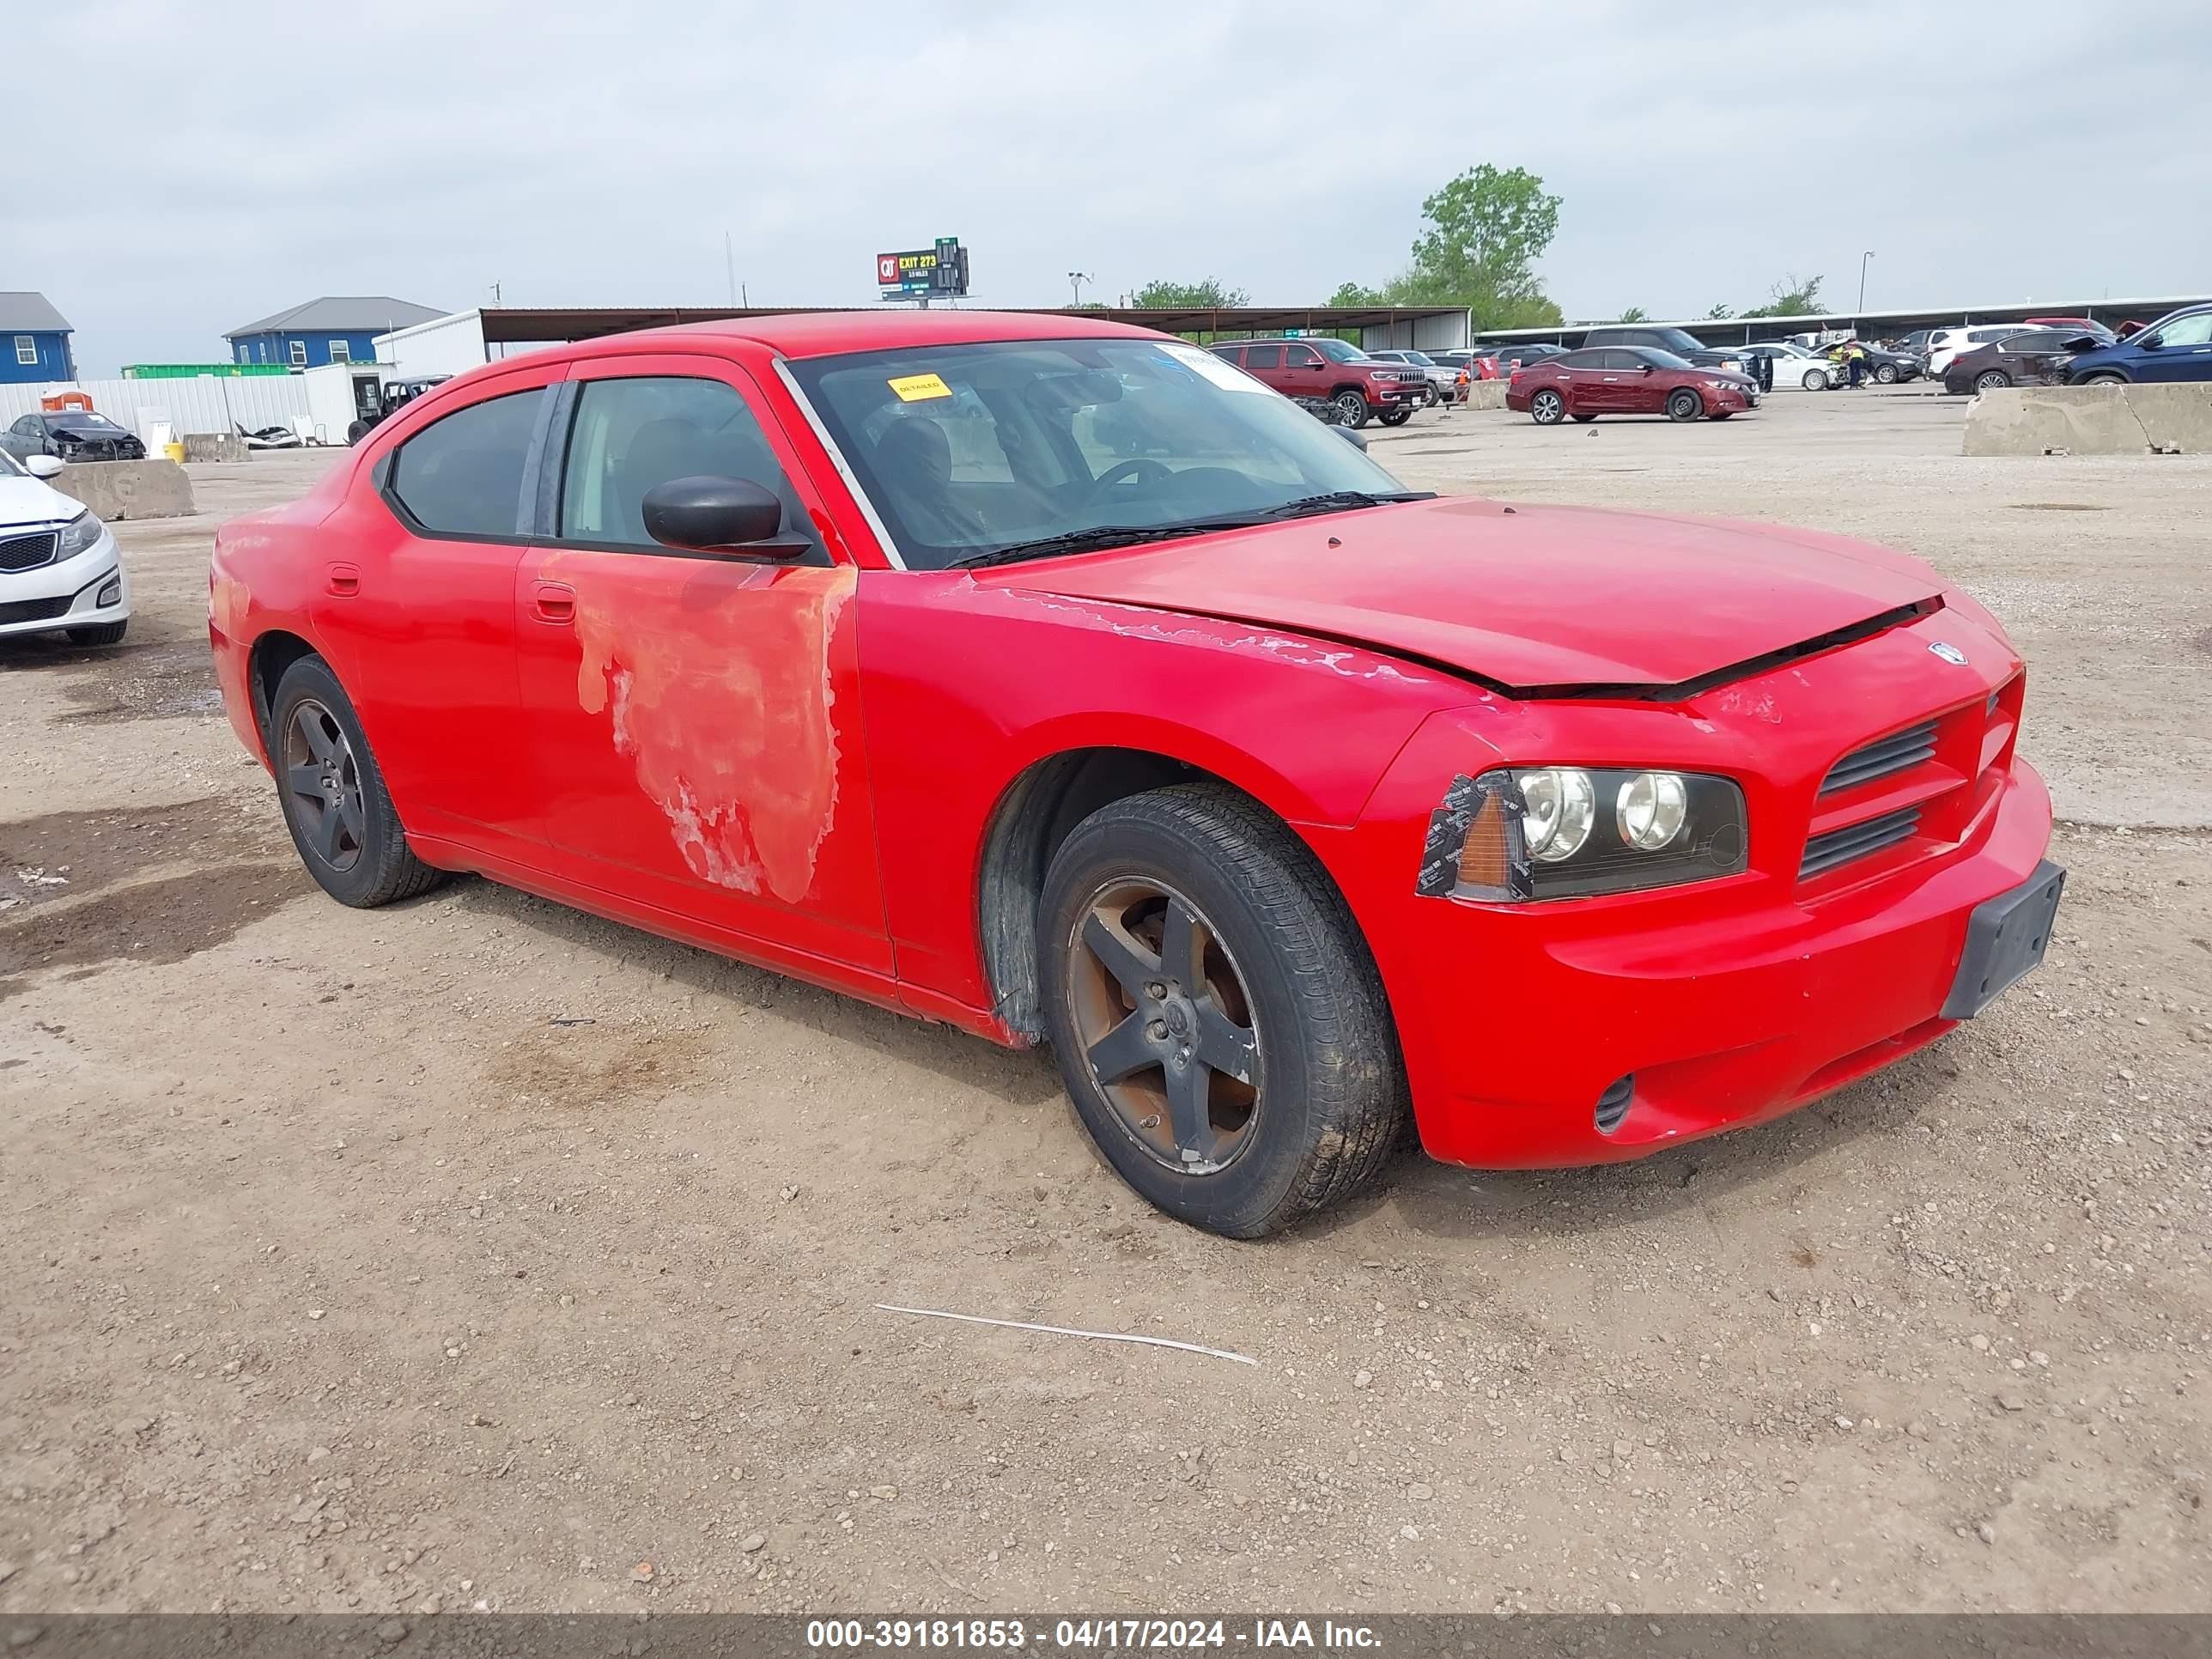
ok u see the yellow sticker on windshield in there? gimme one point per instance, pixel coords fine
(913, 388)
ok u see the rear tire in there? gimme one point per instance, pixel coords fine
(1886, 374)
(356, 431)
(1684, 405)
(1548, 408)
(99, 633)
(333, 797)
(1992, 380)
(1395, 416)
(1276, 982)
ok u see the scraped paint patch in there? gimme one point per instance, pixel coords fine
(719, 690)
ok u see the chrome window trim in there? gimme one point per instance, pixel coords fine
(884, 539)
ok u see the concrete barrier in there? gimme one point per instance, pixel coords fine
(215, 446)
(128, 490)
(2091, 420)
(1485, 394)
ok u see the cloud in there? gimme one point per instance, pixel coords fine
(232, 158)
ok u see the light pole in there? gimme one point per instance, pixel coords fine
(1076, 279)
(1864, 258)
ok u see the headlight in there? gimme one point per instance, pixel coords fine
(78, 535)
(1537, 833)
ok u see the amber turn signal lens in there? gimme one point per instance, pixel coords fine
(1482, 860)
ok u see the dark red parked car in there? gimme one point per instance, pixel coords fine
(1626, 380)
(1356, 383)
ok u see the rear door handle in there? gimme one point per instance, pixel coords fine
(555, 603)
(343, 580)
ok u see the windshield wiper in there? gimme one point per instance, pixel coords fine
(1104, 536)
(1084, 541)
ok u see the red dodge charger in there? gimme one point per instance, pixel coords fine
(1060, 682)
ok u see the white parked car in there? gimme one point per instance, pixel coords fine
(59, 566)
(1945, 343)
(1795, 367)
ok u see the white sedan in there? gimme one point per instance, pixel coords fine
(1793, 366)
(59, 566)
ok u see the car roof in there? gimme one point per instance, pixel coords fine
(828, 333)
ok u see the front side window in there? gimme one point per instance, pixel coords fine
(1299, 356)
(630, 434)
(2187, 330)
(976, 451)
(299, 354)
(27, 348)
(462, 476)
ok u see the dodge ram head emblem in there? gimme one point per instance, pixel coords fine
(1950, 653)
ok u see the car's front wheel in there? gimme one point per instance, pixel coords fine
(1220, 1027)
(1886, 374)
(1354, 405)
(1547, 408)
(2102, 379)
(335, 803)
(1816, 379)
(1684, 405)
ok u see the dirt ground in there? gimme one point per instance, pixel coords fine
(476, 1253)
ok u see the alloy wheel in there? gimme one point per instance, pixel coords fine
(1167, 1026)
(322, 779)
(1547, 407)
(1989, 380)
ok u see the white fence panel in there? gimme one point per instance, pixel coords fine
(206, 403)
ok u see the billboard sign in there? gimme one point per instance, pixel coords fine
(938, 272)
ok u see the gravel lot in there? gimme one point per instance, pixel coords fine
(342, 1273)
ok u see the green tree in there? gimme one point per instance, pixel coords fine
(1487, 229)
(1720, 313)
(1635, 314)
(1352, 294)
(1208, 294)
(1790, 297)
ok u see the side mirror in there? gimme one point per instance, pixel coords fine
(2148, 342)
(734, 517)
(43, 466)
(1650, 368)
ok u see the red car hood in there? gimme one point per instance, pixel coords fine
(1530, 597)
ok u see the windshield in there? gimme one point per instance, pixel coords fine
(76, 422)
(10, 466)
(1339, 351)
(969, 450)
(1421, 357)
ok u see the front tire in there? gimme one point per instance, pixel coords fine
(333, 797)
(1684, 405)
(99, 633)
(1548, 408)
(2102, 379)
(1886, 374)
(1816, 379)
(1220, 1027)
(1354, 406)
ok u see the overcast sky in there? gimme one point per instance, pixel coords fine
(193, 167)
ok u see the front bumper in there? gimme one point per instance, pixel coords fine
(66, 595)
(1721, 1021)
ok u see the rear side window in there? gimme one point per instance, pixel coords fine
(1267, 356)
(462, 476)
(1230, 354)
(1581, 359)
(630, 434)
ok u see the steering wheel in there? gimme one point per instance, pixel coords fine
(1143, 467)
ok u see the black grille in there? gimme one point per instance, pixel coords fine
(1856, 841)
(23, 611)
(1878, 759)
(1612, 1104)
(28, 552)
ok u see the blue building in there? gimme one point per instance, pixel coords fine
(334, 329)
(35, 340)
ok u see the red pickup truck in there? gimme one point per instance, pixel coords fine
(1356, 383)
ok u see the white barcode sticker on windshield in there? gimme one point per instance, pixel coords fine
(1227, 376)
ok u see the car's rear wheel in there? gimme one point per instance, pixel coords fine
(1684, 405)
(1395, 416)
(1989, 380)
(1885, 375)
(1548, 408)
(335, 803)
(1222, 1032)
(1816, 379)
(99, 633)
(1354, 406)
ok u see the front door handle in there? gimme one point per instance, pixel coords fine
(555, 603)
(343, 580)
